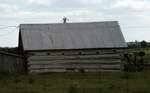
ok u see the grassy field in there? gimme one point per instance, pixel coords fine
(117, 82)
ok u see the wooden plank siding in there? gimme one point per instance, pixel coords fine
(90, 61)
(12, 63)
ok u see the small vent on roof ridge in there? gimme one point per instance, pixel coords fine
(65, 19)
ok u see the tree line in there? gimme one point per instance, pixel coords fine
(138, 44)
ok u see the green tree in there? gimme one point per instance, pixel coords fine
(143, 44)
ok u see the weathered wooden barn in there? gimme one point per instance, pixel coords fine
(93, 46)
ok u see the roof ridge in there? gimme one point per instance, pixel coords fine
(70, 23)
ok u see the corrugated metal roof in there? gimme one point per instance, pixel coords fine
(72, 36)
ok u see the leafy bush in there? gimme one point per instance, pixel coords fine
(134, 62)
(72, 89)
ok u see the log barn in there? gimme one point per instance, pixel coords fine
(72, 47)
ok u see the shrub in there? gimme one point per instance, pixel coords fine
(72, 89)
(134, 62)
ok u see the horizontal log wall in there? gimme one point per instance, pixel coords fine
(74, 61)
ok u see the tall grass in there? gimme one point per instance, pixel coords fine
(117, 82)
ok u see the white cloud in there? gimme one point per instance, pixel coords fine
(89, 2)
(40, 2)
(14, 12)
(30, 14)
(133, 4)
(6, 8)
(58, 2)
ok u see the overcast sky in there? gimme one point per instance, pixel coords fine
(133, 15)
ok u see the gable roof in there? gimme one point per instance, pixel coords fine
(72, 36)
